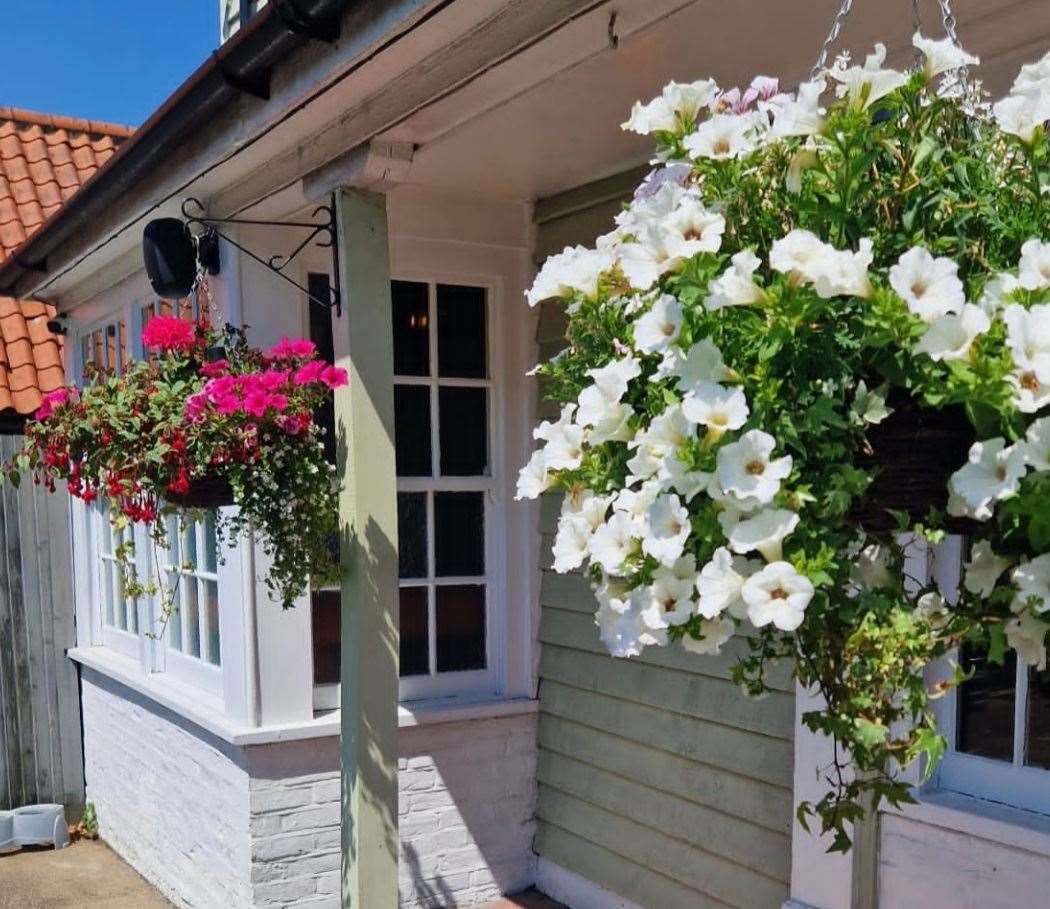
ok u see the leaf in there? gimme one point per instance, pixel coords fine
(870, 734)
(931, 743)
(996, 644)
(870, 406)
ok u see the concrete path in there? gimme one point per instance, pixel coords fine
(87, 875)
(530, 900)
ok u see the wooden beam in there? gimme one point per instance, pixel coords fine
(368, 525)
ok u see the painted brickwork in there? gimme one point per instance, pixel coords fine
(217, 826)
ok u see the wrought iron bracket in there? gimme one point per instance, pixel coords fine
(323, 232)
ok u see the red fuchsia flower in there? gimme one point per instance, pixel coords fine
(287, 349)
(169, 333)
(295, 424)
(54, 399)
(310, 372)
(214, 369)
(181, 484)
(334, 377)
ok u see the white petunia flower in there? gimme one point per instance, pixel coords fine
(1037, 444)
(1033, 75)
(571, 544)
(701, 363)
(844, 273)
(983, 569)
(725, 136)
(764, 532)
(1022, 113)
(941, 56)
(667, 529)
(656, 116)
(715, 406)
(803, 115)
(733, 503)
(799, 254)
(676, 477)
(655, 446)
(951, 336)
(1032, 580)
(670, 602)
(716, 632)
(598, 402)
(658, 329)
(1028, 337)
(745, 469)
(864, 85)
(688, 98)
(872, 566)
(932, 608)
(801, 161)
(654, 252)
(635, 503)
(574, 269)
(548, 430)
(620, 624)
(564, 449)
(998, 293)
(694, 229)
(777, 594)
(719, 584)
(1027, 635)
(1033, 271)
(736, 285)
(583, 503)
(614, 541)
(678, 103)
(1030, 393)
(991, 474)
(929, 286)
(534, 478)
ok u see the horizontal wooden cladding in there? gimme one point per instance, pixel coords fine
(758, 803)
(715, 881)
(754, 849)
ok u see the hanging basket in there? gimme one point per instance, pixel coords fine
(913, 452)
(206, 492)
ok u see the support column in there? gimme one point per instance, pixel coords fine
(368, 522)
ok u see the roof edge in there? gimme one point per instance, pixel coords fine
(59, 121)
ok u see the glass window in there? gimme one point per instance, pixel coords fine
(192, 586)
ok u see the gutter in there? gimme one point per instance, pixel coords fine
(240, 66)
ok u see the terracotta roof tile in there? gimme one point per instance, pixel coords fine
(44, 159)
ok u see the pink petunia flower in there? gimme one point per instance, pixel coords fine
(52, 400)
(334, 377)
(287, 349)
(169, 333)
(310, 372)
(214, 369)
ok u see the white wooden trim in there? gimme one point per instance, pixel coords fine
(574, 890)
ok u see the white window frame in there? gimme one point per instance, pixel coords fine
(1007, 783)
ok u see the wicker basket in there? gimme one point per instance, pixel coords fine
(207, 492)
(913, 453)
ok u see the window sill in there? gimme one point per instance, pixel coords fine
(448, 710)
(992, 821)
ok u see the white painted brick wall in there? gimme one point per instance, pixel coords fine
(216, 826)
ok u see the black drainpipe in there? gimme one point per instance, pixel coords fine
(242, 65)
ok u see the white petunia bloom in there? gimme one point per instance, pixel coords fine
(929, 286)
(845, 273)
(764, 532)
(574, 269)
(1022, 113)
(655, 446)
(733, 503)
(1037, 444)
(620, 624)
(716, 633)
(635, 503)
(872, 566)
(667, 529)
(726, 136)
(654, 252)
(745, 469)
(716, 407)
(679, 102)
(676, 477)
(777, 594)
(951, 336)
(583, 503)
(657, 329)
(983, 569)
(1028, 337)
(801, 161)
(548, 430)
(719, 584)
(736, 285)
(1033, 271)
(613, 542)
(1027, 635)
(1032, 580)
(599, 403)
(534, 478)
(689, 98)
(864, 85)
(941, 56)
(997, 293)
(1033, 75)
(694, 229)
(932, 608)
(1030, 393)
(656, 116)
(991, 474)
(803, 115)
(571, 544)
(564, 449)
(800, 254)
(701, 363)
(670, 602)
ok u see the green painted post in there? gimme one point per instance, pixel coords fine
(368, 522)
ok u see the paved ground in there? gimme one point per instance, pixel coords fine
(530, 900)
(87, 875)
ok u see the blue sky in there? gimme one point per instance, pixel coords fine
(114, 60)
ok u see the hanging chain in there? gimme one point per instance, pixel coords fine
(833, 36)
(948, 18)
(916, 27)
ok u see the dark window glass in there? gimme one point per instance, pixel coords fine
(1038, 719)
(321, 334)
(412, 430)
(460, 627)
(461, 332)
(463, 415)
(412, 534)
(459, 534)
(411, 335)
(326, 617)
(415, 649)
(986, 706)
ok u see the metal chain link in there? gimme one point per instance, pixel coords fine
(833, 36)
(916, 26)
(948, 18)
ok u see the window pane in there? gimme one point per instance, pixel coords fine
(986, 707)
(320, 286)
(460, 627)
(412, 534)
(191, 610)
(459, 534)
(211, 619)
(211, 543)
(415, 647)
(411, 335)
(412, 430)
(461, 332)
(464, 431)
(326, 622)
(1038, 719)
